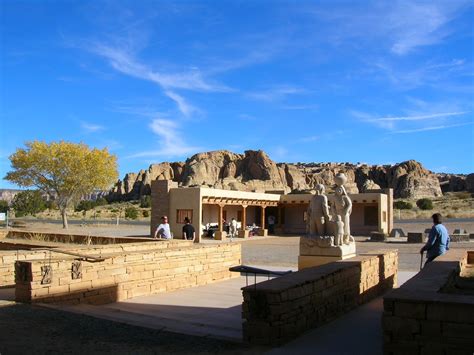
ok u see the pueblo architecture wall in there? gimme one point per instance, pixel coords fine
(278, 310)
(123, 272)
(433, 312)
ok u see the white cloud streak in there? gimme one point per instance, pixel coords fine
(275, 94)
(432, 128)
(170, 140)
(90, 127)
(193, 80)
(417, 118)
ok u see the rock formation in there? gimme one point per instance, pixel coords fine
(255, 171)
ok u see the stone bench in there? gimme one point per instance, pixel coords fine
(427, 315)
(415, 238)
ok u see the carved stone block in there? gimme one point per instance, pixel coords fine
(314, 246)
(76, 270)
(46, 275)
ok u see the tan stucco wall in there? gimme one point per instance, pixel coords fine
(185, 199)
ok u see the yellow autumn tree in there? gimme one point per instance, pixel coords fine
(64, 170)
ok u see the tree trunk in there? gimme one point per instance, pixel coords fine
(64, 217)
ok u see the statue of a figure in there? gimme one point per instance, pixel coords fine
(342, 206)
(318, 213)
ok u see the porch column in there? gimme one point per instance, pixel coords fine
(263, 231)
(220, 234)
(279, 217)
(243, 233)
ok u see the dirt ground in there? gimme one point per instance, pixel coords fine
(33, 329)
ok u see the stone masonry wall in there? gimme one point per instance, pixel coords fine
(278, 310)
(419, 318)
(124, 275)
(13, 250)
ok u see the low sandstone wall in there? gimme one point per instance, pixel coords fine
(73, 238)
(426, 317)
(12, 250)
(125, 275)
(279, 310)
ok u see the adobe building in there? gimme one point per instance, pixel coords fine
(371, 211)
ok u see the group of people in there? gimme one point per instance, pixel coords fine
(163, 230)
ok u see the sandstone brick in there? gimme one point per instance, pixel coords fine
(410, 310)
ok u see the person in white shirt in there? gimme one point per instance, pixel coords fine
(163, 230)
(233, 228)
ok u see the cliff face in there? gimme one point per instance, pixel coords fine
(255, 171)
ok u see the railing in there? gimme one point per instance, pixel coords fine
(256, 271)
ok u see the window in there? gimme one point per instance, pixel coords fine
(182, 214)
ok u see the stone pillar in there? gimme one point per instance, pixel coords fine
(389, 193)
(243, 233)
(220, 234)
(160, 201)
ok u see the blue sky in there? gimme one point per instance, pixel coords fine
(309, 81)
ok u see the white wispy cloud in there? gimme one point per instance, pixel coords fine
(170, 140)
(185, 108)
(417, 118)
(433, 128)
(91, 127)
(310, 139)
(126, 63)
(276, 93)
(402, 25)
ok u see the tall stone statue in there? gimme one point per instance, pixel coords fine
(318, 213)
(342, 209)
(329, 232)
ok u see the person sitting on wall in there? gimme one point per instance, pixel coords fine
(188, 230)
(438, 240)
(163, 230)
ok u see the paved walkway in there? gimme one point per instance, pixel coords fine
(215, 311)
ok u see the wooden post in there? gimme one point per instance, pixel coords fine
(262, 218)
(221, 217)
(244, 217)
(279, 216)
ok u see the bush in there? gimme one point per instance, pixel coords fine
(145, 201)
(28, 202)
(131, 212)
(146, 213)
(4, 206)
(402, 205)
(101, 202)
(425, 204)
(85, 205)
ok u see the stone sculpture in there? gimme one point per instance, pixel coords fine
(318, 213)
(329, 233)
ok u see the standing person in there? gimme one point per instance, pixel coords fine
(188, 230)
(438, 240)
(233, 228)
(163, 230)
(271, 224)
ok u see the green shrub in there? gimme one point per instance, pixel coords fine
(425, 204)
(28, 202)
(85, 205)
(402, 205)
(101, 202)
(4, 206)
(131, 213)
(145, 201)
(146, 213)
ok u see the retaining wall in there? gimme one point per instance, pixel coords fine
(279, 310)
(427, 315)
(13, 250)
(129, 274)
